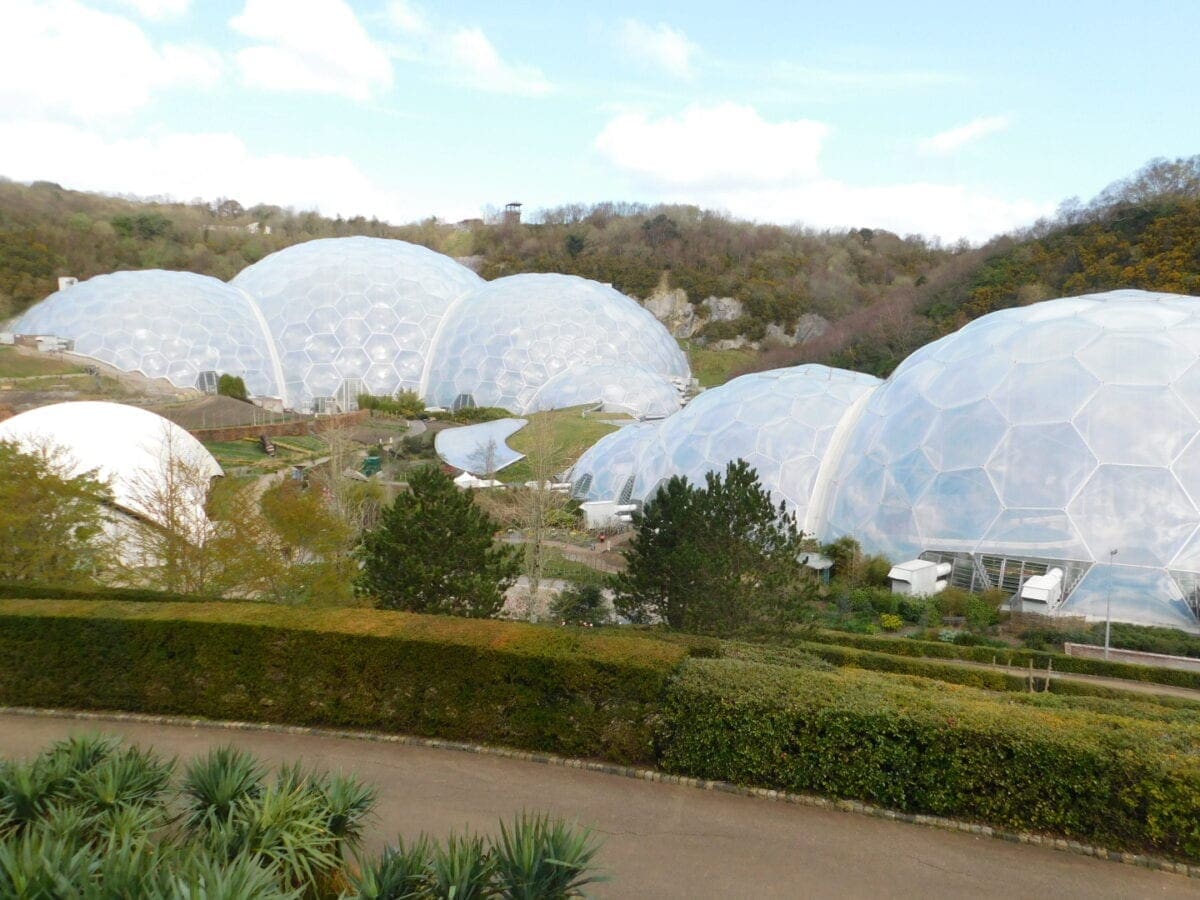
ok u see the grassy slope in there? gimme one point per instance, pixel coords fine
(715, 367)
(572, 434)
(19, 365)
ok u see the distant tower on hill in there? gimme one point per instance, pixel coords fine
(512, 213)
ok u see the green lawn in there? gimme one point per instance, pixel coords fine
(715, 367)
(248, 452)
(571, 435)
(558, 566)
(19, 365)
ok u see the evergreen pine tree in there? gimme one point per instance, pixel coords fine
(715, 559)
(433, 552)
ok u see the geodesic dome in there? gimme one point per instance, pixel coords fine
(353, 314)
(171, 325)
(616, 388)
(1059, 432)
(130, 448)
(782, 422)
(609, 468)
(500, 344)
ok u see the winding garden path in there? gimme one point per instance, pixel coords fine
(661, 840)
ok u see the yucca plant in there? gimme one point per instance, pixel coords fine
(285, 829)
(198, 875)
(399, 873)
(461, 869)
(348, 804)
(539, 858)
(27, 789)
(80, 752)
(36, 864)
(213, 783)
(128, 777)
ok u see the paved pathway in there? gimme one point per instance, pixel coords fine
(665, 840)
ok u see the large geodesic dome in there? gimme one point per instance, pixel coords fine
(500, 344)
(783, 422)
(610, 467)
(630, 390)
(1066, 433)
(171, 325)
(354, 314)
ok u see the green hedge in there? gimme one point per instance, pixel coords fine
(23, 591)
(952, 752)
(1010, 657)
(541, 688)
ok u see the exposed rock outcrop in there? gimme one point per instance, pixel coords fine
(671, 307)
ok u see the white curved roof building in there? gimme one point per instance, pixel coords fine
(1063, 435)
(1060, 431)
(500, 345)
(615, 388)
(355, 314)
(783, 422)
(131, 449)
(171, 325)
(337, 317)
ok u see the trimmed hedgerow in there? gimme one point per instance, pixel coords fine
(951, 752)
(540, 688)
(897, 646)
(22, 591)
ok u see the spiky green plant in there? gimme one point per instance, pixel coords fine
(213, 783)
(81, 752)
(197, 875)
(27, 789)
(539, 858)
(285, 828)
(399, 873)
(461, 869)
(128, 777)
(35, 865)
(348, 804)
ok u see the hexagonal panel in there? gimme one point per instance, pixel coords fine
(1140, 512)
(1040, 465)
(1146, 426)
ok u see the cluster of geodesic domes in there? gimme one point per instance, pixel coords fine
(337, 317)
(1044, 436)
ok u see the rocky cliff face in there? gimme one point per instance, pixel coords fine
(684, 319)
(671, 307)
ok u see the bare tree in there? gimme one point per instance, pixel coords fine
(547, 458)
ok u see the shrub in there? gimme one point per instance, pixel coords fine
(947, 752)
(232, 386)
(541, 688)
(993, 651)
(890, 622)
(582, 605)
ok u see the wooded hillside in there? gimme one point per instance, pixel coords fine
(884, 294)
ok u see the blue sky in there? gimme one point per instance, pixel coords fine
(949, 119)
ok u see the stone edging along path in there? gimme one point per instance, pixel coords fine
(854, 806)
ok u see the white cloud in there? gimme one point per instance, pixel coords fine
(157, 9)
(948, 211)
(318, 46)
(728, 157)
(407, 17)
(662, 46)
(954, 139)
(725, 145)
(184, 166)
(478, 64)
(62, 56)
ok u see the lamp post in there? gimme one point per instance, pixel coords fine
(1108, 604)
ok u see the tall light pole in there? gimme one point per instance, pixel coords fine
(1108, 604)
